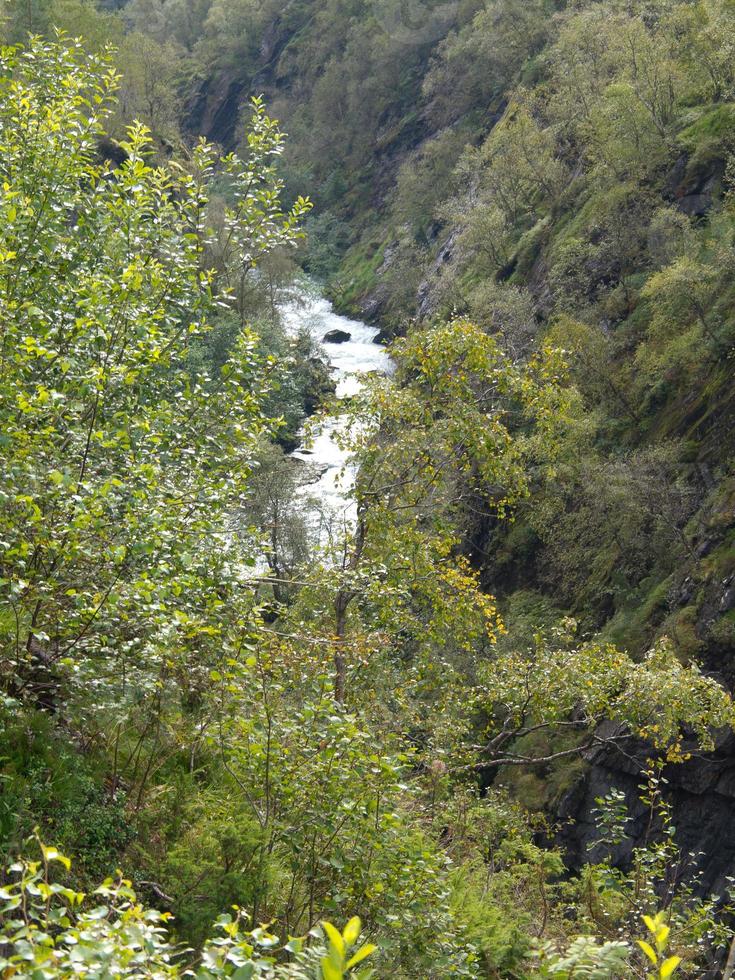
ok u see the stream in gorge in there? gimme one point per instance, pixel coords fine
(327, 478)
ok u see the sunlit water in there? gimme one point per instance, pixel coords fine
(327, 476)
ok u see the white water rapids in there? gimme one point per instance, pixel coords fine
(328, 478)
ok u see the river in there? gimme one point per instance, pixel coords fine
(328, 478)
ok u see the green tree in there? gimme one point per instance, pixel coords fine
(483, 59)
(151, 85)
(122, 466)
(438, 437)
(706, 47)
(685, 330)
(18, 18)
(579, 688)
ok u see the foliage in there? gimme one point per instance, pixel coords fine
(583, 687)
(330, 817)
(321, 731)
(586, 958)
(122, 467)
(49, 930)
(666, 966)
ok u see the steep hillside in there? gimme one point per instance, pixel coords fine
(562, 175)
(483, 696)
(559, 173)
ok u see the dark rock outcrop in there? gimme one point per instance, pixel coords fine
(701, 792)
(426, 299)
(693, 189)
(215, 110)
(336, 337)
(110, 151)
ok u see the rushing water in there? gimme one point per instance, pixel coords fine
(328, 478)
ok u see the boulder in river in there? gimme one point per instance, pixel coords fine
(336, 337)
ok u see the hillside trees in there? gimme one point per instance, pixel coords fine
(424, 445)
(305, 741)
(706, 47)
(250, 221)
(123, 465)
(684, 329)
(19, 18)
(483, 57)
(507, 311)
(620, 70)
(593, 127)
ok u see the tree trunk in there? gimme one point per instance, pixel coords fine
(340, 664)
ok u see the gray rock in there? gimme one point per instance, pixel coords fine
(425, 295)
(336, 337)
(693, 189)
(701, 792)
(686, 592)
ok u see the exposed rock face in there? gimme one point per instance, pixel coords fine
(336, 337)
(372, 306)
(216, 109)
(540, 289)
(727, 602)
(702, 793)
(697, 203)
(694, 192)
(426, 297)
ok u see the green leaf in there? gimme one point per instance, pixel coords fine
(245, 972)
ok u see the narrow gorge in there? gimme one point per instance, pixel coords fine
(367, 499)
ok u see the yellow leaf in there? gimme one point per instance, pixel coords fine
(361, 955)
(668, 966)
(650, 924)
(352, 931)
(335, 937)
(648, 950)
(53, 854)
(329, 971)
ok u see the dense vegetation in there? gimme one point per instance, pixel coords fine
(402, 717)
